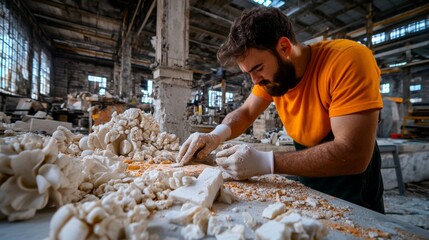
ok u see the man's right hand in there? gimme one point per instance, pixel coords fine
(199, 144)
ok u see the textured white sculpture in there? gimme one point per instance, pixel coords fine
(133, 134)
(34, 172)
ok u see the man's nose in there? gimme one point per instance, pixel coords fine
(256, 78)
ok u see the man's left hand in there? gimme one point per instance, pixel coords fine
(243, 162)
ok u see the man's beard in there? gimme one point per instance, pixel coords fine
(283, 80)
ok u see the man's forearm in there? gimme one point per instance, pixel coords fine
(324, 160)
(238, 122)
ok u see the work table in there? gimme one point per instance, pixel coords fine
(343, 219)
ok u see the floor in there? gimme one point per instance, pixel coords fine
(413, 207)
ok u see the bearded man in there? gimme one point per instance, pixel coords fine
(327, 97)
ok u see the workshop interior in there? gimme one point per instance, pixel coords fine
(99, 99)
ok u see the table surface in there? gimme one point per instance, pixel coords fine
(363, 219)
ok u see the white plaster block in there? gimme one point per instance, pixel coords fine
(273, 210)
(204, 190)
(215, 226)
(272, 230)
(234, 233)
(47, 125)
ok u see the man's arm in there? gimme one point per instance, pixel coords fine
(349, 153)
(241, 118)
(201, 144)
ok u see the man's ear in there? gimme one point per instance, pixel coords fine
(284, 46)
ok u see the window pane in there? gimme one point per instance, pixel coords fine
(14, 45)
(96, 83)
(44, 74)
(215, 98)
(147, 94)
(385, 88)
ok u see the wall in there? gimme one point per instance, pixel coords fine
(71, 75)
(419, 75)
(391, 119)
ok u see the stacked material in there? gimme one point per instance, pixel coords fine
(36, 170)
(89, 180)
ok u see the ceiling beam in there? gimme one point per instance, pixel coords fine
(97, 54)
(402, 49)
(358, 6)
(343, 26)
(69, 8)
(306, 28)
(97, 61)
(63, 23)
(146, 18)
(388, 21)
(129, 27)
(86, 52)
(212, 15)
(86, 45)
(204, 44)
(304, 7)
(53, 34)
(397, 69)
(217, 35)
(392, 43)
(326, 18)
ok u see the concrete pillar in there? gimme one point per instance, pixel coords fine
(125, 86)
(116, 78)
(172, 79)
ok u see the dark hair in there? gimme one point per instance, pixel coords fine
(260, 28)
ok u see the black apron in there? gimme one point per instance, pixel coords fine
(364, 189)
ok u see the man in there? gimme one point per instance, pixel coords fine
(327, 97)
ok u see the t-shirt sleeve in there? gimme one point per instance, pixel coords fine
(354, 82)
(260, 92)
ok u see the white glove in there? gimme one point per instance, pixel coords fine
(243, 162)
(202, 144)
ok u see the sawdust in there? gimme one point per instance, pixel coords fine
(359, 232)
(295, 196)
(137, 168)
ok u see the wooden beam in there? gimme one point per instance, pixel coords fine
(325, 18)
(67, 22)
(402, 49)
(421, 10)
(130, 26)
(217, 35)
(85, 45)
(212, 15)
(67, 7)
(204, 44)
(149, 12)
(87, 52)
(101, 55)
(304, 7)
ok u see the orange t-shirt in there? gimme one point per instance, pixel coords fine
(341, 78)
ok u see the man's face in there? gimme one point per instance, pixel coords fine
(269, 71)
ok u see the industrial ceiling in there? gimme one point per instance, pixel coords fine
(92, 30)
